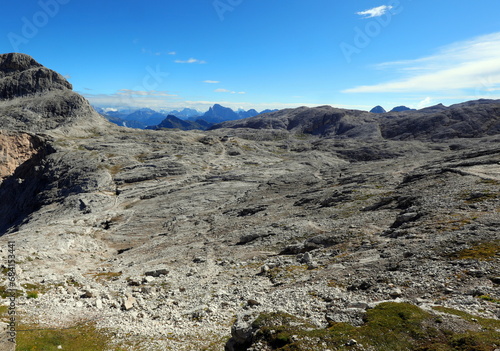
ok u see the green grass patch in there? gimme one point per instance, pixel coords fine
(486, 323)
(489, 298)
(80, 338)
(388, 327)
(484, 251)
(480, 197)
(4, 292)
(287, 272)
(32, 294)
(105, 276)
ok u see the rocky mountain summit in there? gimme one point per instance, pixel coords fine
(301, 229)
(21, 75)
(36, 99)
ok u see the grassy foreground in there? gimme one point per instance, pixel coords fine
(388, 327)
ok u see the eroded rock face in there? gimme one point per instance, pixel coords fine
(21, 75)
(36, 99)
(15, 149)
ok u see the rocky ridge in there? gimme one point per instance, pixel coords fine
(190, 240)
(467, 120)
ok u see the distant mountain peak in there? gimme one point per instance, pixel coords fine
(171, 122)
(378, 109)
(218, 113)
(400, 109)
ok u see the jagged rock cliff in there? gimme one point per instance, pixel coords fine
(21, 75)
(36, 99)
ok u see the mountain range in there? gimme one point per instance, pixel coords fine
(300, 229)
(172, 122)
(148, 118)
(380, 109)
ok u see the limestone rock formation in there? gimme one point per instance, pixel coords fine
(21, 75)
(34, 98)
(267, 233)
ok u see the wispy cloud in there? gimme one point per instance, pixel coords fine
(375, 12)
(191, 60)
(220, 90)
(425, 103)
(156, 53)
(129, 92)
(133, 98)
(467, 65)
(211, 81)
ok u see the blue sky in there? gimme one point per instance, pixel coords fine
(261, 54)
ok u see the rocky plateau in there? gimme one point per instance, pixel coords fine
(266, 233)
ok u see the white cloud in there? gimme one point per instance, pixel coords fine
(375, 12)
(119, 101)
(127, 98)
(191, 60)
(129, 92)
(424, 103)
(220, 90)
(211, 81)
(156, 53)
(467, 65)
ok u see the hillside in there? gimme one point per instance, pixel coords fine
(472, 119)
(300, 229)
